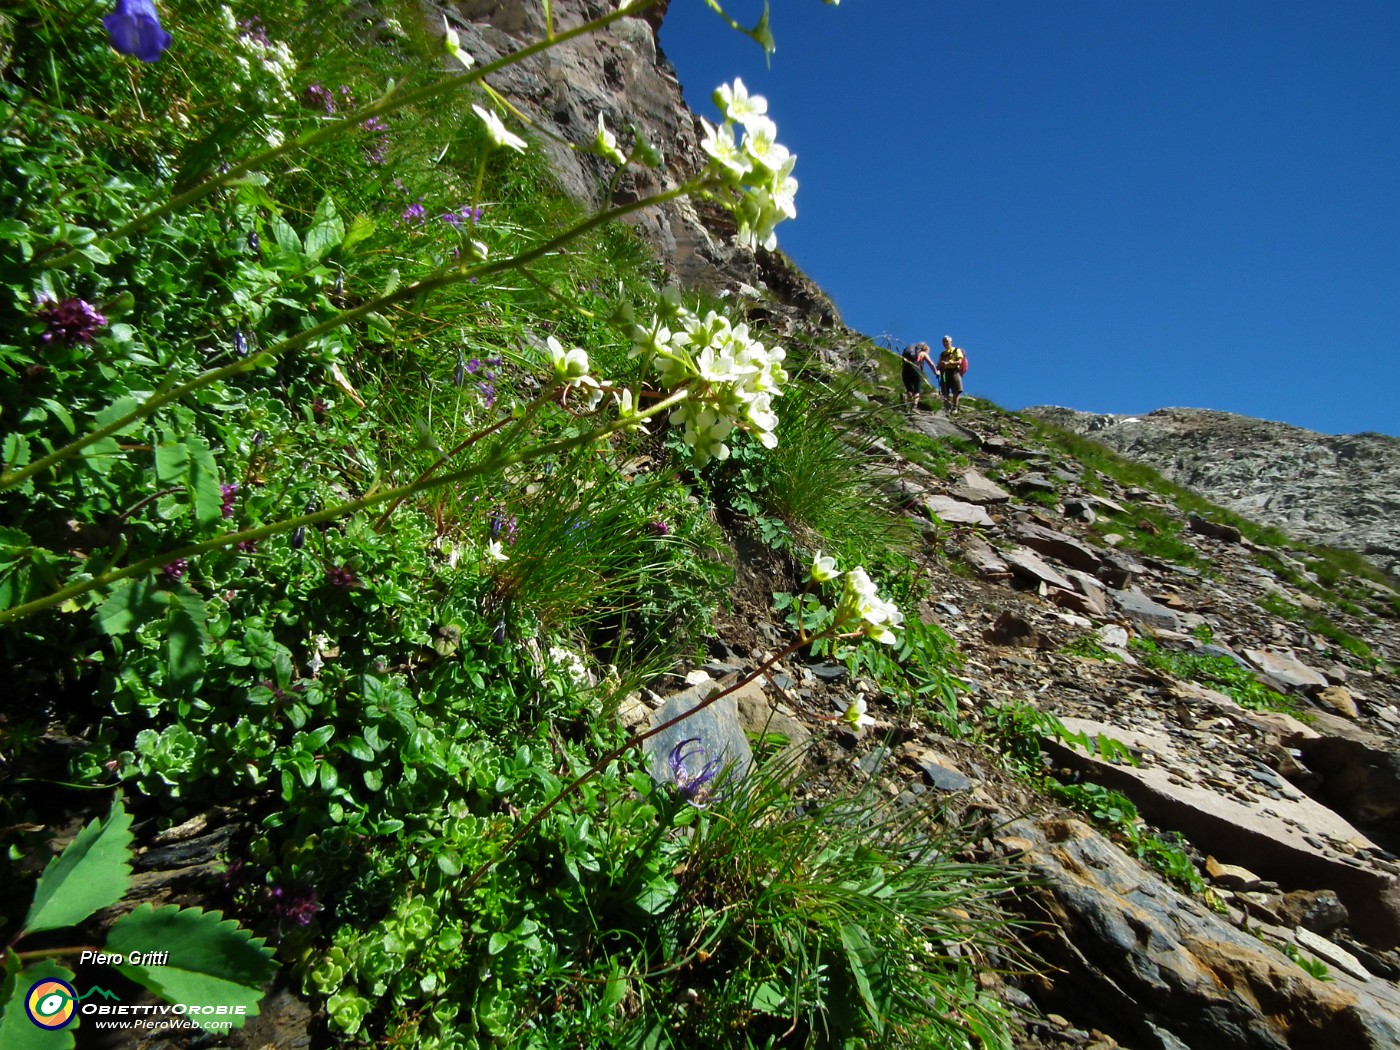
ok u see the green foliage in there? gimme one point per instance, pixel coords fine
(1088, 645)
(1116, 814)
(92, 873)
(1218, 672)
(1313, 967)
(307, 523)
(213, 962)
(1318, 623)
(816, 488)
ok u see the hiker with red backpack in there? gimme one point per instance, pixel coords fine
(952, 366)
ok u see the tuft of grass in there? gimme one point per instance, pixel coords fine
(1218, 672)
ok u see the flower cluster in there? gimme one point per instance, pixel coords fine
(70, 322)
(570, 663)
(266, 68)
(732, 377)
(756, 171)
(861, 610)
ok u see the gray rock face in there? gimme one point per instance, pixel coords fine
(1339, 491)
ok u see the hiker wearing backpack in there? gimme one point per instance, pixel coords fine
(952, 366)
(915, 357)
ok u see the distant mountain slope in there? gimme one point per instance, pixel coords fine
(1340, 491)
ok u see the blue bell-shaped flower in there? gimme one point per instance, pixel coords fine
(134, 29)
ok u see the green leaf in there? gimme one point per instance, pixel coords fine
(92, 873)
(16, 450)
(285, 236)
(17, 1031)
(131, 603)
(862, 958)
(172, 464)
(327, 231)
(116, 410)
(186, 637)
(211, 961)
(203, 482)
(361, 227)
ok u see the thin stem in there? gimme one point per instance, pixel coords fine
(612, 756)
(491, 464)
(41, 953)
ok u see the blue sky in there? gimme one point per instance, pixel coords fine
(1113, 205)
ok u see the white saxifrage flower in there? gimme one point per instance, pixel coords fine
(855, 714)
(735, 102)
(605, 144)
(496, 130)
(824, 568)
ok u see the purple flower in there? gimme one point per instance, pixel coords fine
(339, 576)
(251, 29)
(240, 344)
(175, 570)
(466, 214)
(298, 905)
(692, 774)
(413, 213)
(488, 393)
(254, 242)
(70, 322)
(230, 494)
(134, 29)
(317, 96)
(660, 528)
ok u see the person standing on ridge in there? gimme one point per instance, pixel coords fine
(915, 356)
(952, 366)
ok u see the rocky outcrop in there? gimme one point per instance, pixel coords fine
(1337, 491)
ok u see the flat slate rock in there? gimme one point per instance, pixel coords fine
(975, 487)
(717, 731)
(1138, 606)
(956, 512)
(1282, 665)
(1027, 563)
(1269, 836)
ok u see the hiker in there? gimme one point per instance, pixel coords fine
(915, 357)
(952, 365)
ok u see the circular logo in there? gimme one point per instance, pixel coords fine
(51, 1003)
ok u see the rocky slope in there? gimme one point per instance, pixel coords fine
(1337, 491)
(1296, 823)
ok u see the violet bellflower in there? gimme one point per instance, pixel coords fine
(134, 29)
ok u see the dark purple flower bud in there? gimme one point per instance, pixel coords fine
(660, 528)
(319, 408)
(248, 546)
(474, 365)
(240, 344)
(230, 494)
(134, 29)
(175, 570)
(70, 322)
(259, 438)
(498, 521)
(254, 242)
(459, 375)
(694, 772)
(299, 537)
(498, 637)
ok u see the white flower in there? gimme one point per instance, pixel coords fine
(589, 393)
(495, 552)
(861, 610)
(570, 663)
(719, 143)
(496, 129)
(605, 144)
(568, 365)
(762, 147)
(823, 568)
(454, 44)
(735, 102)
(855, 714)
(705, 431)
